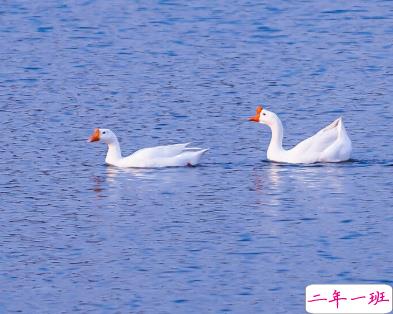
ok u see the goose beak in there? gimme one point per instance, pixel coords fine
(257, 115)
(95, 136)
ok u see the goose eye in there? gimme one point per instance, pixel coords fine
(104, 132)
(264, 114)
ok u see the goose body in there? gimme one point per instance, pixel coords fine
(331, 144)
(153, 157)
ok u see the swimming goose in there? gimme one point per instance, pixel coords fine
(331, 144)
(160, 156)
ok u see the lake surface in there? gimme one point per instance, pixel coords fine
(237, 234)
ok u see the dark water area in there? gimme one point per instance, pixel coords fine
(237, 234)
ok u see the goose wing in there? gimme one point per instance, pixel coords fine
(319, 141)
(164, 156)
(165, 151)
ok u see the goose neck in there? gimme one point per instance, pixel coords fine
(114, 152)
(277, 136)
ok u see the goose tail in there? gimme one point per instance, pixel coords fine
(194, 155)
(340, 127)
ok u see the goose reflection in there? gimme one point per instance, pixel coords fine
(152, 176)
(280, 182)
(114, 172)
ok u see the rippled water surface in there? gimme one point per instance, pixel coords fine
(237, 234)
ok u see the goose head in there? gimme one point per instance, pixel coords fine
(264, 116)
(104, 135)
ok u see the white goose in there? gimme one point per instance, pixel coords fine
(331, 144)
(153, 157)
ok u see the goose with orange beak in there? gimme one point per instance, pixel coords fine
(153, 157)
(331, 144)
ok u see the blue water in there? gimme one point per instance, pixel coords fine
(237, 234)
